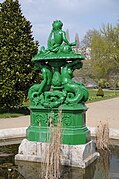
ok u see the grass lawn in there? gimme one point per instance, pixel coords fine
(108, 94)
(20, 111)
(23, 110)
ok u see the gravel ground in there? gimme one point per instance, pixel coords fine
(107, 110)
(104, 111)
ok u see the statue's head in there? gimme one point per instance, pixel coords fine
(57, 25)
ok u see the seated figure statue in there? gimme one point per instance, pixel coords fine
(57, 37)
(57, 41)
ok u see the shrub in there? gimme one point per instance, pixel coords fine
(100, 92)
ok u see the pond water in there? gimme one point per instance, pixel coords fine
(106, 167)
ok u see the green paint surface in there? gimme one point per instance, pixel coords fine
(57, 91)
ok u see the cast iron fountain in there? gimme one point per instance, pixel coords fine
(57, 91)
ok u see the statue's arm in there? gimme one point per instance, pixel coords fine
(50, 36)
(66, 41)
(50, 39)
(65, 38)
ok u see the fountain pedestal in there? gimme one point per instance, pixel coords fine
(74, 130)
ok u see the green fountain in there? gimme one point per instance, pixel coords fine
(57, 91)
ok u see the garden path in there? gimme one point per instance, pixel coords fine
(106, 110)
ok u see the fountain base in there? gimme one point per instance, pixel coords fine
(71, 155)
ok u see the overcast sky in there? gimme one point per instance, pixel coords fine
(77, 15)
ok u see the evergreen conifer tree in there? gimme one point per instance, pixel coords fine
(17, 47)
